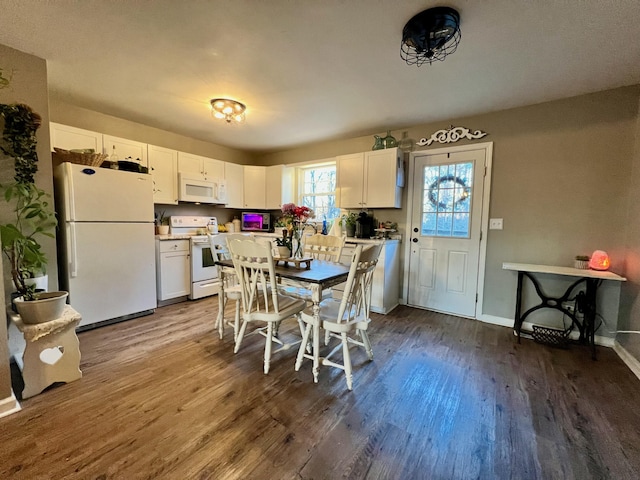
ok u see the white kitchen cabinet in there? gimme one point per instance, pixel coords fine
(163, 164)
(371, 179)
(279, 184)
(385, 290)
(66, 137)
(125, 149)
(234, 176)
(255, 182)
(209, 168)
(173, 269)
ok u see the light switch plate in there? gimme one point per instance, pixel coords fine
(495, 224)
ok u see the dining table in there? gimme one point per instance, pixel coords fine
(320, 275)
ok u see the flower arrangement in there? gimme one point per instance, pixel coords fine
(296, 217)
(297, 214)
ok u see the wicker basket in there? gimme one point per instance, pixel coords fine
(89, 159)
(551, 336)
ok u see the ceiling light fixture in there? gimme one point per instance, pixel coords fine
(430, 35)
(228, 110)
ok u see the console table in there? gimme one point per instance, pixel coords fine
(52, 351)
(592, 280)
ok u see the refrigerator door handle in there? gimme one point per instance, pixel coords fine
(73, 254)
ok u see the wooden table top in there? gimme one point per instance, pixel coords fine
(320, 272)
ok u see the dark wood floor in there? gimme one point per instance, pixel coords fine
(445, 398)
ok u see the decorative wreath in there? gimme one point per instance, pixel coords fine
(433, 191)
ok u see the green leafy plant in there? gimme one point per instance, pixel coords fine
(349, 219)
(285, 240)
(34, 215)
(161, 219)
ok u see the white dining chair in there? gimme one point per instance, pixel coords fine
(261, 300)
(347, 317)
(324, 247)
(231, 288)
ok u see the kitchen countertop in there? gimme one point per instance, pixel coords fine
(171, 236)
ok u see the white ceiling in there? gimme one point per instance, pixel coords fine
(311, 70)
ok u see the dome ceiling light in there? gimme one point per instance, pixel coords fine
(228, 110)
(430, 35)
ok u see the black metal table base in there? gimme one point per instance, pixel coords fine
(586, 326)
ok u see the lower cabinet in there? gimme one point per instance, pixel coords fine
(173, 269)
(385, 291)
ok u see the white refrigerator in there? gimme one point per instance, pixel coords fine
(106, 247)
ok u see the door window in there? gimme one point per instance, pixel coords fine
(447, 199)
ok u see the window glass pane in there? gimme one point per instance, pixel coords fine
(447, 191)
(444, 224)
(428, 224)
(461, 225)
(318, 191)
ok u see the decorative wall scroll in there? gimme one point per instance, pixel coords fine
(452, 135)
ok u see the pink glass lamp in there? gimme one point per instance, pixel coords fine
(599, 260)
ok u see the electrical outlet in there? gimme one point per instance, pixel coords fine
(495, 224)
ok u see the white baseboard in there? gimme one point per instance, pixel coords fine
(508, 322)
(630, 361)
(9, 405)
(503, 322)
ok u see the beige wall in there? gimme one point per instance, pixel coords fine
(28, 85)
(561, 179)
(90, 120)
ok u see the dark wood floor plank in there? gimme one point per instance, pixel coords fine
(445, 398)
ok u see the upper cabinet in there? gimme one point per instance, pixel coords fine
(279, 181)
(234, 176)
(209, 168)
(63, 136)
(371, 179)
(255, 187)
(163, 166)
(126, 149)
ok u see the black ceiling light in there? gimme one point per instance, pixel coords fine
(430, 35)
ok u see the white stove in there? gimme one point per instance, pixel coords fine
(204, 274)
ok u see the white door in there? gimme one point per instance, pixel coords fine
(445, 231)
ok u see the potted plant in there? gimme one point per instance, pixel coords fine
(34, 216)
(349, 221)
(284, 244)
(162, 223)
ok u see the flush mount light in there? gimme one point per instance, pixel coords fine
(430, 35)
(228, 110)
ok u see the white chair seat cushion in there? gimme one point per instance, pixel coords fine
(329, 310)
(288, 306)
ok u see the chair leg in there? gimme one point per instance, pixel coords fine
(267, 347)
(236, 323)
(327, 337)
(367, 344)
(240, 336)
(303, 346)
(347, 360)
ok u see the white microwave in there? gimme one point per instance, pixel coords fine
(196, 188)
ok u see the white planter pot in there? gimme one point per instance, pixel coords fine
(162, 229)
(41, 283)
(284, 252)
(48, 306)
